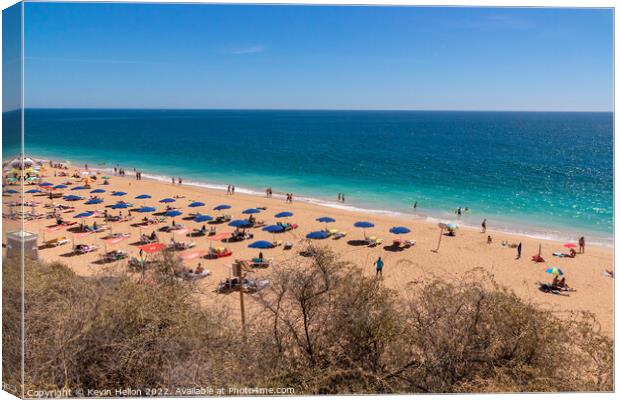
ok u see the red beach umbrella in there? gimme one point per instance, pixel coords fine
(152, 248)
(570, 245)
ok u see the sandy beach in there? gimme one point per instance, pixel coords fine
(464, 252)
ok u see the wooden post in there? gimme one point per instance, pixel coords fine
(237, 268)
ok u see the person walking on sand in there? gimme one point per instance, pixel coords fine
(582, 245)
(342, 198)
(415, 206)
(173, 181)
(484, 225)
(519, 248)
(379, 264)
(339, 197)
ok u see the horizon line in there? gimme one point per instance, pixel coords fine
(303, 109)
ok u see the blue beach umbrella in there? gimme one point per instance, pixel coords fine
(33, 191)
(284, 214)
(326, 219)
(173, 213)
(196, 204)
(261, 244)
(363, 224)
(46, 184)
(119, 194)
(11, 191)
(61, 186)
(98, 191)
(221, 207)
(79, 188)
(167, 200)
(119, 205)
(273, 228)
(251, 211)
(72, 198)
(398, 230)
(317, 235)
(94, 201)
(202, 218)
(143, 196)
(84, 215)
(240, 223)
(146, 209)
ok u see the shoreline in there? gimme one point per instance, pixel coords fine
(433, 217)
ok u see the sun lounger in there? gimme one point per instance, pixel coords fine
(59, 241)
(181, 245)
(218, 252)
(114, 255)
(260, 263)
(249, 285)
(146, 239)
(223, 218)
(84, 248)
(192, 276)
(288, 245)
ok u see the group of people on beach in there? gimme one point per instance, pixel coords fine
(138, 175)
(230, 189)
(341, 197)
(177, 180)
(119, 171)
(289, 197)
(269, 192)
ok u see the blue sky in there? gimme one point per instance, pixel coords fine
(234, 56)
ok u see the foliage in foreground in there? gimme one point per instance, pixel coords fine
(323, 327)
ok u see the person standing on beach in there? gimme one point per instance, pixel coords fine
(484, 225)
(379, 264)
(339, 197)
(519, 248)
(233, 189)
(415, 206)
(173, 181)
(582, 245)
(342, 198)
(459, 212)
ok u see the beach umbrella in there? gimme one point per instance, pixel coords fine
(46, 184)
(94, 201)
(202, 218)
(567, 245)
(146, 209)
(317, 235)
(273, 228)
(105, 177)
(261, 244)
(119, 205)
(554, 271)
(363, 224)
(152, 247)
(173, 213)
(326, 220)
(167, 200)
(72, 198)
(452, 226)
(98, 191)
(11, 191)
(143, 196)
(119, 194)
(284, 214)
(240, 223)
(86, 214)
(196, 204)
(398, 230)
(79, 188)
(33, 191)
(251, 211)
(221, 207)
(61, 186)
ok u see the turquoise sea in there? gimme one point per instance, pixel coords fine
(545, 174)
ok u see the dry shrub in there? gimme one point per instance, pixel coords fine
(325, 328)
